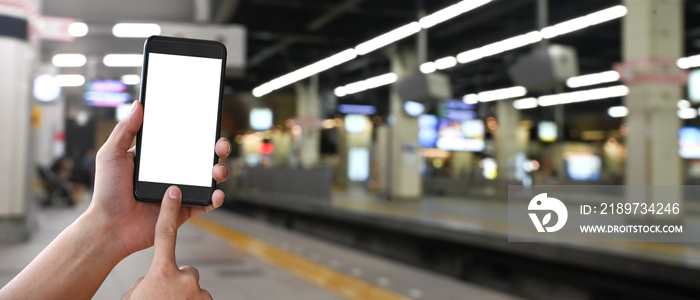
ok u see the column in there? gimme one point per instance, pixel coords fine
(309, 115)
(403, 168)
(653, 30)
(15, 154)
(507, 140)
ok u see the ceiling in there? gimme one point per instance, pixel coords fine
(284, 35)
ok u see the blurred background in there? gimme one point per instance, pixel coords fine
(384, 133)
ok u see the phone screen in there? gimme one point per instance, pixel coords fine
(179, 122)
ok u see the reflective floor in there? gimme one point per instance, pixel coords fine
(239, 258)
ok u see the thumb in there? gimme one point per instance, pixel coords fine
(124, 133)
(166, 227)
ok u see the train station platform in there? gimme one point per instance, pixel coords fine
(471, 234)
(242, 258)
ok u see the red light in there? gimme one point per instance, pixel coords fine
(266, 148)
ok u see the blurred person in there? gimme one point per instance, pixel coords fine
(63, 168)
(88, 167)
(113, 227)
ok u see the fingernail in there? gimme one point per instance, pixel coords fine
(230, 148)
(173, 192)
(133, 106)
(224, 169)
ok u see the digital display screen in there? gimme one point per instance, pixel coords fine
(689, 142)
(457, 110)
(427, 131)
(467, 135)
(694, 85)
(106, 93)
(583, 167)
(180, 115)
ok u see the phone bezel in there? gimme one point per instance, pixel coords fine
(154, 191)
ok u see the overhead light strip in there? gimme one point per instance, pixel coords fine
(371, 45)
(533, 37)
(499, 94)
(123, 60)
(69, 60)
(70, 80)
(450, 12)
(593, 79)
(585, 95)
(366, 84)
(135, 30)
(305, 72)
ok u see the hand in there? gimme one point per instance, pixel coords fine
(164, 279)
(130, 221)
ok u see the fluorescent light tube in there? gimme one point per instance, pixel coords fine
(69, 60)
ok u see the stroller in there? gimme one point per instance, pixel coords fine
(59, 192)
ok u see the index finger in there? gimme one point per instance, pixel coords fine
(166, 227)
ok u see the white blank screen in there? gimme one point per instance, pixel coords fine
(179, 122)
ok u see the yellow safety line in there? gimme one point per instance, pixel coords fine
(318, 274)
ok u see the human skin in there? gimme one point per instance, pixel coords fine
(113, 227)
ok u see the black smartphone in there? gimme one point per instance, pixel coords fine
(182, 96)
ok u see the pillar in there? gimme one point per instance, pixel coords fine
(15, 155)
(309, 115)
(402, 150)
(507, 140)
(653, 29)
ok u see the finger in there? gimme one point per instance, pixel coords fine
(166, 227)
(205, 295)
(220, 173)
(190, 270)
(131, 150)
(124, 133)
(223, 147)
(217, 199)
(127, 295)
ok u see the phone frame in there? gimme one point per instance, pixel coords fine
(154, 191)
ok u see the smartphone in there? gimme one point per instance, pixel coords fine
(181, 94)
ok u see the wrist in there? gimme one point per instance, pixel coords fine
(98, 232)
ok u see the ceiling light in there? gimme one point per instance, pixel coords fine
(131, 79)
(586, 95)
(77, 29)
(381, 80)
(525, 103)
(593, 79)
(46, 88)
(366, 84)
(683, 104)
(69, 60)
(585, 21)
(305, 72)
(340, 92)
(687, 113)
(70, 80)
(388, 38)
(500, 94)
(618, 111)
(135, 30)
(450, 12)
(470, 99)
(123, 60)
(688, 62)
(428, 67)
(499, 47)
(445, 62)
